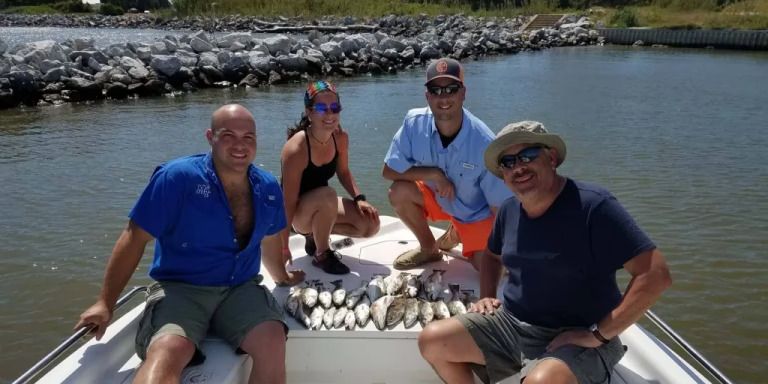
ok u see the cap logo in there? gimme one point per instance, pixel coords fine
(442, 66)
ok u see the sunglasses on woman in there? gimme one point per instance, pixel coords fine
(449, 89)
(326, 108)
(525, 156)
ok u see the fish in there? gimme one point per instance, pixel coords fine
(350, 321)
(468, 297)
(376, 288)
(426, 312)
(324, 296)
(338, 317)
(393, 284)
(434, 285)
(441, 310)
(455, 305)
(316, 318)
(411, 312)
(353, 297)
(363, 311)
(328, 317)
(338, 294)
(379, 311)
(411, 285)
(292, 301)
(302, 315)
(395, 311)
(309, 296)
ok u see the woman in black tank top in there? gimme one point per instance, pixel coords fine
(316, 150)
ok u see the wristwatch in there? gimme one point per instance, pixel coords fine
(359, 197)
(596, 332)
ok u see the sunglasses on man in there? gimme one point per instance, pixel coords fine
(525, 156)
(323, 108)
(449, 89)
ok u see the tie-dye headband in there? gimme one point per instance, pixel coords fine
(316, 87)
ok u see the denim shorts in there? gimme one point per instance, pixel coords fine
(192, 311)
(511, 346)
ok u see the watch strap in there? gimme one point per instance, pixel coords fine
(360, 197)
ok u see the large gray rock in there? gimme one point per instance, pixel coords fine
(331, 50)
(167, 65)
(144, 53)
(236, 69)
(170, 45)
(82, 44)
(243, 38)
(188, 59)
(158, 48)
(200, 45)
(262, 63)
(116, 50)
(54, 74)
(135, 68)
(293, 64)
(200, 35)
(209, 59)
(278, 44)
(120, 78)
(3, 46)
(429, 52)
(388, 43)
(35, 57)
(5, 67)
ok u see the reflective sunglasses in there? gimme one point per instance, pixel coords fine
(524, 157)
(449, 89)
(326, 108)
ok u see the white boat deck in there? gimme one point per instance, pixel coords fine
(365, 355)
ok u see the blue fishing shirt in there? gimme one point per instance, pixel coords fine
(417, 144)
(185, 208)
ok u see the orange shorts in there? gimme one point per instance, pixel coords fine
(473, 236)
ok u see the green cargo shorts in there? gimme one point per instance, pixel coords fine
(192, 311)
(511, 346)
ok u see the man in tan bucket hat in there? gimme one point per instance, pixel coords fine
(562, 242)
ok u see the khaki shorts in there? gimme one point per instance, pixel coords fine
(511, 346)
(192, 311)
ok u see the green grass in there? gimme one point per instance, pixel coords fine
(747, 14)
(31, 10)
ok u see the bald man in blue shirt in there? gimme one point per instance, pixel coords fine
(214, 215)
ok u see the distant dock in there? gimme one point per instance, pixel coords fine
(695, 38)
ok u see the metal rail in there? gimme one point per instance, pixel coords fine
(709, 367)
(56, 352)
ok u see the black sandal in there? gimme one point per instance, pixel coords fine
(331, 263)
(309, 244)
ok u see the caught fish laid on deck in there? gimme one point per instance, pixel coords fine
(434, 285)
(338, 294)
(353, 297)
(324, 295)
(328, 317)
(411, 285)
(363, 311)
(411, 312)
(293, 301)
(441, 310)
(455, 305)
(316, 318)
(350, 321)
(379, 311)
(309, 296)
(395, 311)
(426, 312)
(376, 288)
(339, 316)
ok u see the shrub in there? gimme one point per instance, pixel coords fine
(624, 18)
(111, 10)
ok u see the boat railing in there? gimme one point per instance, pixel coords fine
(696, 355)
(68, 342)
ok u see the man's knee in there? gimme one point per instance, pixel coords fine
(550, 371)
(371, 229)
(430, 340)
(401, 191)
(174, 350)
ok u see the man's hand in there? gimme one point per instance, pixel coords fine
(444, 187)
(294, 277)
(582, 338)
(98, 316)
(287, 256)
(486, 305)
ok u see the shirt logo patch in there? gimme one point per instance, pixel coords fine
(468, 165)
(203, 190)
(271, 197)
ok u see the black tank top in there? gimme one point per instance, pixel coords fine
(314, 176)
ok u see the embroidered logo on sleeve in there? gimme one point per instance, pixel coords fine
(203, 190)
(468, 165)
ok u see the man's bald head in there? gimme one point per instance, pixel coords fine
(229, 114)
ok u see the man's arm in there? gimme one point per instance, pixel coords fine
(650, 277)
(125, 258)
(272, 259)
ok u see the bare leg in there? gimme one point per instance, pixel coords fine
(550, 371)
(448, 347)
(265, 343)
(350, 222)
(166, 358)
(408, 202)
(316, 213)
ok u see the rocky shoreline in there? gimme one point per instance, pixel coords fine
(47, 72)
